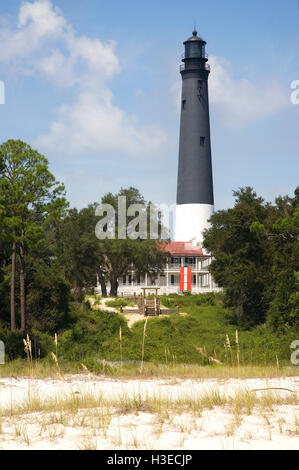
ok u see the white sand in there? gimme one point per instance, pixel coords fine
(270, 427)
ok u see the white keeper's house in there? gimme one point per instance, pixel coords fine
(183, 255)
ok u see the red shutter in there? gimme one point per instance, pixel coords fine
(185, 279)
(189, 279)
(182, 271)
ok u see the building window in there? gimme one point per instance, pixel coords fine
(183, 104)
(205, 280)
(202, 141)
(194, 280)
(124, 279)
(199, 84)
(190, 262)
(172, 279)
(130, 279)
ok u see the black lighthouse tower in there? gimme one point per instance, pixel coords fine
(195, 198)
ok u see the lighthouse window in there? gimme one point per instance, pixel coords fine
(202, 141)
(183, 104)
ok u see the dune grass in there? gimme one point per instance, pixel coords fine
(96, 415)
(242, 400)
(40, 369)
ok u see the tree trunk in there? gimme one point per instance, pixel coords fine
(22, 288)
(102, 283)
(240, 314)
(113, 286)
(12, 288)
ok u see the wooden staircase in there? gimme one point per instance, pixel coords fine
(152, 307)
(148, 306)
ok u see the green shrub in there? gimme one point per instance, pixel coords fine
(206, 299)
(93, 336)
(13, 342)
(119, 303)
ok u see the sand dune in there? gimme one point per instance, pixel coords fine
(91, 412)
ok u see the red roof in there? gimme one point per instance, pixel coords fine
(183, 249)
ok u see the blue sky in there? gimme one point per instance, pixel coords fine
(95, 86)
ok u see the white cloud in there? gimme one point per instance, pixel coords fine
(238, 101)
(93, 123)
(45, 45)
(37, 22)
(99, 57)
(42, 19)
(44, 42)
(58, 68)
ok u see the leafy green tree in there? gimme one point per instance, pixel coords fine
(48, 297)
(256, 258)
(284, 308)
(241, 256)
(82, 255)
(4, 281)
(31, 195)
(118, 256)
(77, 249)
(284, 236)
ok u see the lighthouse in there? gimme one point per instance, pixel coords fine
(195, 196)
(188, 265)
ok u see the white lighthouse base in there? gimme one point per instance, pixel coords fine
(191, 221)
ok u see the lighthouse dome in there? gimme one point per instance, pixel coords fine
(195, 37)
